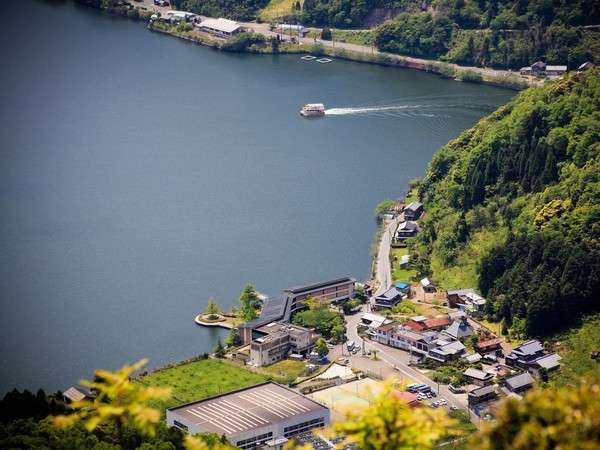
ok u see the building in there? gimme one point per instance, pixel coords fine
(489, 346)
(435, 323)
(466, 300)
(280, 309)
(525, 354)
(520, 383)
(446, 350)
(478, 377)
(556, 71)
(482, 394)
(408, 397)
(263, 415)
(395, 335)
(544, 364)
(279, 340)
(459, 330)
(428, 286)
(220, 27)
(180, 16)
(413, 211)
(373, 321)
(389, 298)
(406, 229)
(290, 29)
(77, 394)
(404, 260)
(585, 66)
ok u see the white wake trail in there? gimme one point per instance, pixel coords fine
(366, 110)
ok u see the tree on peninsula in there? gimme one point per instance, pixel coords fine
(212, 309)
(248, 302)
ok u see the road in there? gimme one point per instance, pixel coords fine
(383, 270)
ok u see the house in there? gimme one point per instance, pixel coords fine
(408, 397)
(459, 330)
(403, 287)
(457, 296)
(467, 300)
(473, 358)
(585, 66)
(544, 364)
(413, 211)
(435, 323)
(404, 259)
(538, 68)
(77, 394)
(457, 315)
(280, 340)
(220, 27)
(556, 71)
(395, 335)
(446, 351)
(478, 377)
(524, 354)
(416, 323)
(489, 346)
(180, 16)
(406, 229)
(520, 383)
(428, 286)
(389, 298)
(290, 29)
(482, 394)
(373, 321)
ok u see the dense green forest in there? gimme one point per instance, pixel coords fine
(231, 9)
(513, 207)
(495, 33)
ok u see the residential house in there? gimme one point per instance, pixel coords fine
(280, 340)
(446, 350)
(538, 68)
(78, 393)
(395, 335)
(482, 394)
(544, 364)
(489, 346)
(520, 383)
(389, 298)
(428, 286)
(524, 354)
(373, 321)
(585, 66)
(556, 71)
(404, 288)
(467, 300)
(478, 377)
(472, 358)
(413, 211)
(459, 330)
(406, 229)
(404, 260)
(434, 323)
(408, 397)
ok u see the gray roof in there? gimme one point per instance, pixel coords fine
(483, 391)
(464, 291)
(414, 206)
(548, 362)
(224, 25)
(247, 409)
(477, 374)
(323, 284)
(459, 329)
(408, 225)
(390, 294)
(451, 348)
(273, 310)
(519, 381)
(529, 348)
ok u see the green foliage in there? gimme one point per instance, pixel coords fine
(243, 42)
(233, 338)
(219, 350)
(383, 207)
(326, 34)
(567, 418)
(330, 324)
(21, 405)
(249, 301)
(321, 347)
(513, 204)
(212, 309)
(231, 9)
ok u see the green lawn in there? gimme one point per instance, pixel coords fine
(200, 379)
(287, 370)
(399, 274)
(276, 9)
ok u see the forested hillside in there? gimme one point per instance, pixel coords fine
(513, 207)
(496, 33)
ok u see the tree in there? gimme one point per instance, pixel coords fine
(233, 339)
(212, 309)
(566, 418)
(248, 302)
(219, 350)
(390, 424)
(321, 347)
(119, 401)
(326, 34)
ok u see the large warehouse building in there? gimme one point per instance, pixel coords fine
(264, 415)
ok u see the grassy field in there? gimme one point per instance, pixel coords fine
(287, 370)
(399, 274)
(276, 9)
(200, 379)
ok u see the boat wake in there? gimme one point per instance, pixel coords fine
(371, 109)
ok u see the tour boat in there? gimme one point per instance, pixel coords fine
(313, 110)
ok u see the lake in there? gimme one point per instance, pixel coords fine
(141, 175)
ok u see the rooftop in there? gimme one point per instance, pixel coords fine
(273, 309)
(477, 374)
(459, 292)
(548, 362)
(247, 409)
(483, 391)
(414, 206)
(529, 348)
(226, 25)
(519, 381)
(323, 284)
(390, 294)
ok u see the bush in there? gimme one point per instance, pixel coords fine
(326, 34)
(244, 41)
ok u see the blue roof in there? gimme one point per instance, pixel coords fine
(401, 285)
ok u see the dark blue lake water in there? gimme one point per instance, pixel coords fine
(140, 175)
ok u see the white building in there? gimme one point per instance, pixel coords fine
(220, 27)
(266, 415)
